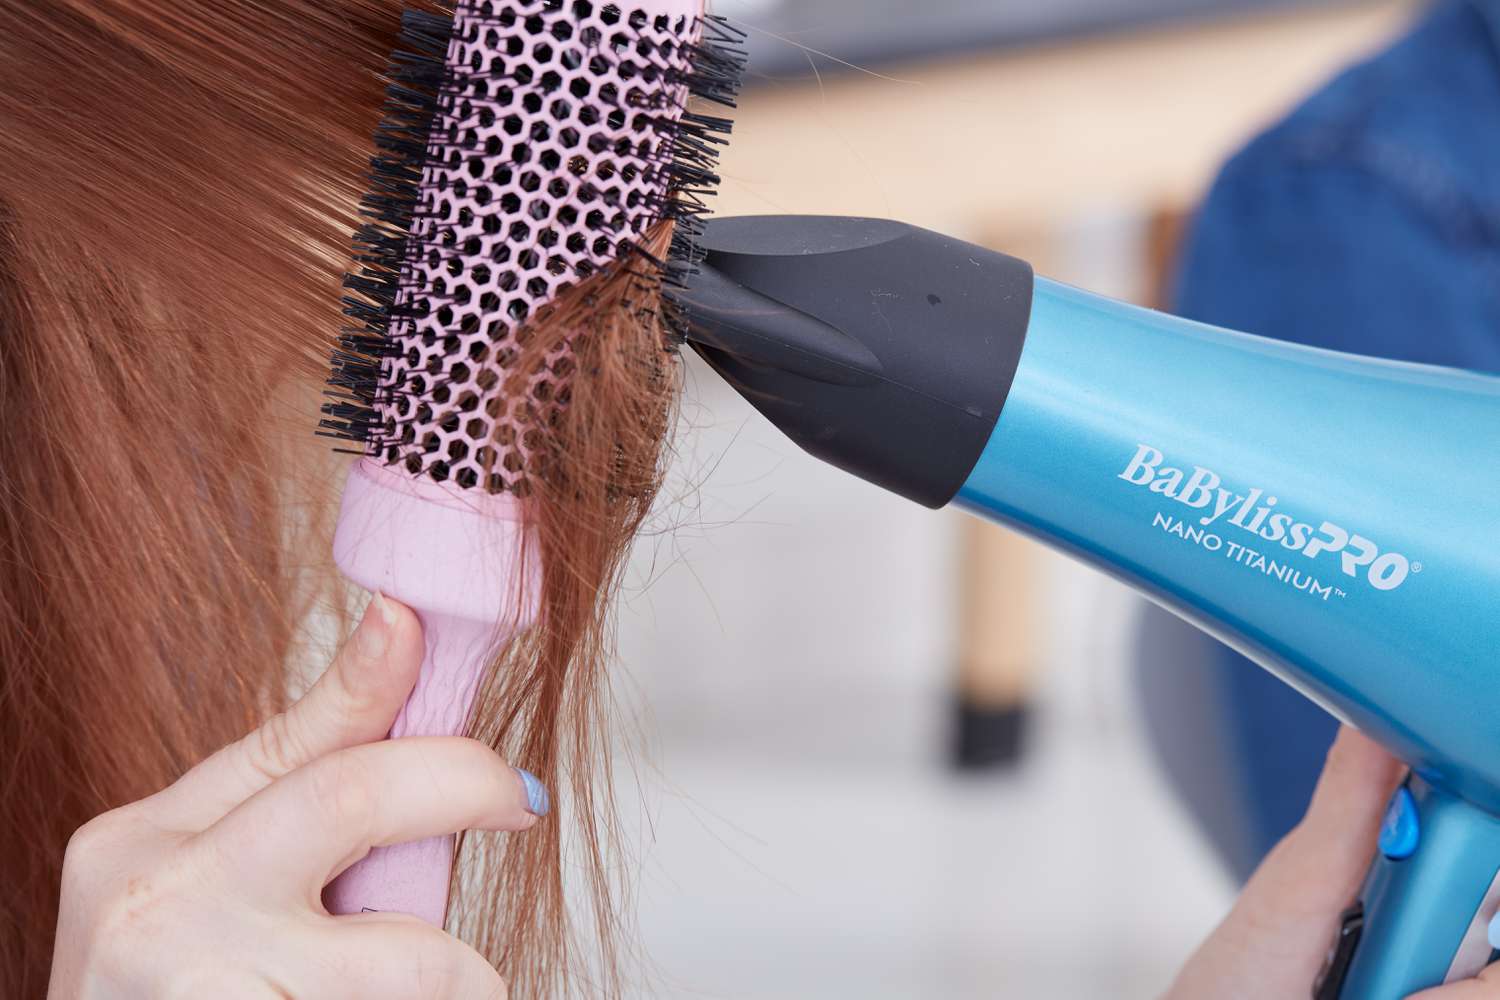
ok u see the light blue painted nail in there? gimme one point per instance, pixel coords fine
(538, 802)
(1494, 934)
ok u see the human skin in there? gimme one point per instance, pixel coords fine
(211, 887)
(1275, 938)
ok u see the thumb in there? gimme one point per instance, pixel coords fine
(354, 702)
(1317, 870)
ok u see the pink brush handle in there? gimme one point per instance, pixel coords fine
(454, 557)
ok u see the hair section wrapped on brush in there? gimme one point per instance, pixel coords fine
(541, 172)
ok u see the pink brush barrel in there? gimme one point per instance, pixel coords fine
(456, 558)
(540, 151)
(555, 156)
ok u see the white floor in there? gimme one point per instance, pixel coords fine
(800, 835)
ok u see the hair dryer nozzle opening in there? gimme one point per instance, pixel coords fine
(879, 347)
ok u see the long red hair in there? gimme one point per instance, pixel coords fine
(178, 184)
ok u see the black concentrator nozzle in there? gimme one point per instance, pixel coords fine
(884, 349)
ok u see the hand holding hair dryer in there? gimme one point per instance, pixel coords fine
(1336, 518)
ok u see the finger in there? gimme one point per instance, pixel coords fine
(1321, 864)
(393, 957)
(1317, 868)
(1357, 781)
(353, 702)
(299, 832)
(1486, 986)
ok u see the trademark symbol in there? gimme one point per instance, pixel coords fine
(1416, 567)
(1339, 593)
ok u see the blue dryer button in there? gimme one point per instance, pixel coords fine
(1400, 831)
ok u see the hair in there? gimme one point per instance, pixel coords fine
(178, 184)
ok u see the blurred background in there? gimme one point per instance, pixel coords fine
(801, 650)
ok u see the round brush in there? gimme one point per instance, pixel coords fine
(527, 147)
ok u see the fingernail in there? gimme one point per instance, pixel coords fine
(374, 633)
(538, 802)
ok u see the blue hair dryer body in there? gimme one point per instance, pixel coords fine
(1334, 517)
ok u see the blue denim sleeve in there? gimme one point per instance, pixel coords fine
(1338, 253)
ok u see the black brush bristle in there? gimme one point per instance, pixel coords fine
(415, 76)
(422, 92)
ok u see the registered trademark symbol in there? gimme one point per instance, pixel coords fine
(1416, 567)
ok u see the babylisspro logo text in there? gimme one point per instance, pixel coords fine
(1263, 534)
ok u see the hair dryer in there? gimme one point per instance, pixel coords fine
(1333, 517)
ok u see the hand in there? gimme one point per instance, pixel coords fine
(211, 887)
(1274, 940)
